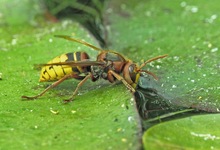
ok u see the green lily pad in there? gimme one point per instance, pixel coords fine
(102, 116)
(186, 31)
(19, 12)
(198, 132)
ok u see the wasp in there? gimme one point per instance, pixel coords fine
(109, 65)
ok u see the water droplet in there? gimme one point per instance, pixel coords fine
(209, 45)
(53, 29)
(14, 42)
(65, 23)
(194, 9)
(124, 140)
(214, 49)
(192, 81)
(130, 119)
(158, 67)
(73, 111)
(214, 16)
(119, 129)
(148, 13)
(176, 58)
(211, 19)
(183, 4)
(123, 6)
(174, 86)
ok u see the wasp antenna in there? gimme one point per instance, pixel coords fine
(150, 73)
(152, 59)
(78, 41)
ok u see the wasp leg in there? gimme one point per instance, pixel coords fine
(77, 88)
(50, 87)
(120, 78)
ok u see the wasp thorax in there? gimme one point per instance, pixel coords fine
(96, 72)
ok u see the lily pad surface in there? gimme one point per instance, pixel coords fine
(104, 115)
(198, 132)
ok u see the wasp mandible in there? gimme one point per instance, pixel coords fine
(109, 65)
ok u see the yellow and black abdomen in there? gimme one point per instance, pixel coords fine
(55, 72)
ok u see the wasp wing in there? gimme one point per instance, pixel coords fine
(72, 64)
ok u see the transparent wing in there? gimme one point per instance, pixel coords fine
(72, 64)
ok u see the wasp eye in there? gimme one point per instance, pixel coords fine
(131, 68)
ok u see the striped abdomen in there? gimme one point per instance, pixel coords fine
(55, 72)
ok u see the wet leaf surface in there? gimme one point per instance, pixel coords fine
(103, 116)
(183, 30)
(186, 31)
(189, 77)
(198, 132)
